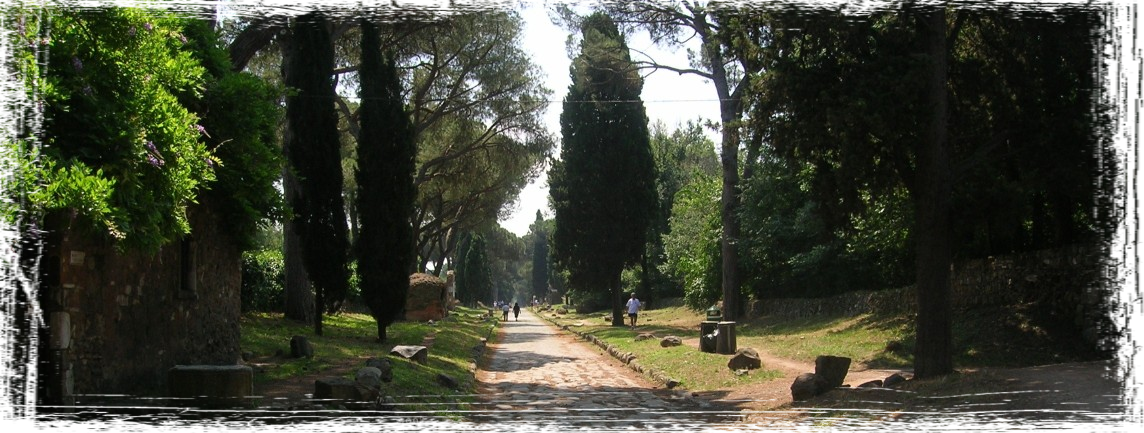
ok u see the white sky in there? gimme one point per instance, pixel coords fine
(668, 96)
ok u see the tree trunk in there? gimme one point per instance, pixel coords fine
(933, 354)
(614, 280)
(255, 36)
(209, 12)
(729, 112)
(381, 332)
(299, 293)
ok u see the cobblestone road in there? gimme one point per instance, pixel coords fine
(537, 374)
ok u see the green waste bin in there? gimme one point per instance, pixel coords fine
(707, 336)
(725, 339)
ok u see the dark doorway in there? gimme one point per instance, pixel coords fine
(23, 341)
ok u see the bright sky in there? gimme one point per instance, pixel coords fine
(668, 96)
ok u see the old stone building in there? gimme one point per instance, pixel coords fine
(119, 320)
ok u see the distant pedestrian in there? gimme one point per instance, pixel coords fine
(504, 309)
(633, 309)
(516, 311)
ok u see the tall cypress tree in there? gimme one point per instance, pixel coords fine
(603, 187)
(539, 257)
(386, 152)
(313, 151)
(477, 282)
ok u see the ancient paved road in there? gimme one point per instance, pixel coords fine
(537, 374)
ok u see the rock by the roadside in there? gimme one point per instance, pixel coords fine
(832, 368)
(418, 354)
(645, 336)
(447, 381)
(247, 356)
(369, 377)
(670, 341)
(871, 384)
(561, 310)
(893, 380)
(745, 358)
(382, 365)
(300, 347)
(808, 385)
(671, 383)
(336, 388)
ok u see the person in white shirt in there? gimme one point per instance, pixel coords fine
(633, 309)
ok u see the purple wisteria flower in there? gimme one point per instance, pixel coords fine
(77, 64)
(147, 26)
(33, 228)
(87, 90)
(153, 157)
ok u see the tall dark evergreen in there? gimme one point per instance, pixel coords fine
(539, 257)
(313, 152)
(385, 194)
(475, 284)
(603, 187)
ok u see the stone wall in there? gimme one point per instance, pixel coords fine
(131, 316)
(1066, 282)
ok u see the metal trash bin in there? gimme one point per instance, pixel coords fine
(725, 338)
(708, 331)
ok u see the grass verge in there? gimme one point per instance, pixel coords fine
(349, 339)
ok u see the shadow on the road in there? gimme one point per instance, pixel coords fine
(509, 360)
(581, 405)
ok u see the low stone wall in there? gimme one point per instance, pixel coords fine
(1067, 282)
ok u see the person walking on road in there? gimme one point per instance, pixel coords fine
(504, 309)
(516, 311)
(633, 309)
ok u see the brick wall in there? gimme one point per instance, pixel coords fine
(132, 316)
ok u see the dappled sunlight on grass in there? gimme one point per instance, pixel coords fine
(350, 338)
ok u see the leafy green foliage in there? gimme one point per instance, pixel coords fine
(691, 247)
(240, 116)
(121, 150)
(789, 252)
(263, 281)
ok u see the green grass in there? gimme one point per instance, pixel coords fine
(350, 339)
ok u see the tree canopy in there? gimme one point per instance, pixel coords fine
(139, 127)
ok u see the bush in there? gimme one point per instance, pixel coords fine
(263, 281)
